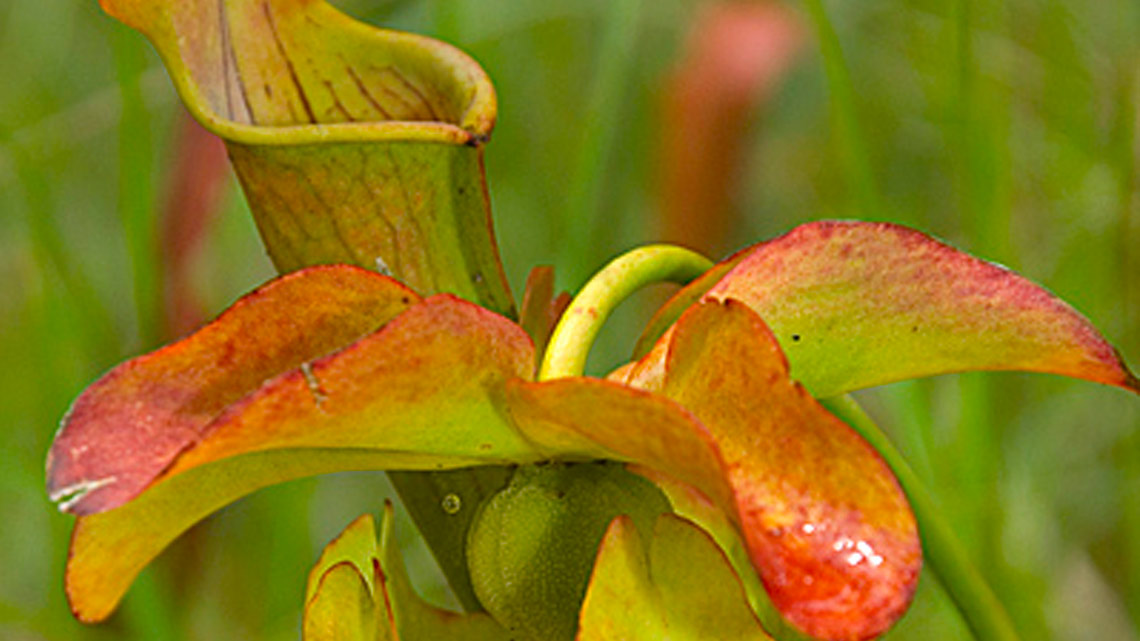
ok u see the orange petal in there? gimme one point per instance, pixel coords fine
(825, 522)
(677, 585)
(427, 386)
(129, 425)
(360, 589)
(592, 419)
(424, 392)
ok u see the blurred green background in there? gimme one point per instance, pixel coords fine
(1006, 127)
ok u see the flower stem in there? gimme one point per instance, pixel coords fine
(976, 602)
(576, 330)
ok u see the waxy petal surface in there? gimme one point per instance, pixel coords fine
(356, 547)
(679, 587)
(127, 427)
(826, 525)
(423, 393)
(692, 505)
(858, 304)
(109, 549)
(428, 384)
(592, 419)
(343, 608)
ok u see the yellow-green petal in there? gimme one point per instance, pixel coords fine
(360, 589)
(342, 608)
(679, 587)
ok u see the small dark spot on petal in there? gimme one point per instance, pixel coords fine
(795, 338)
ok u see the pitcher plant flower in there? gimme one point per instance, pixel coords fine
(391, 342)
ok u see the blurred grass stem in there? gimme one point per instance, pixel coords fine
(136, 181)
(601, 126)
(49, 247)
(447, 20)
(853, 149)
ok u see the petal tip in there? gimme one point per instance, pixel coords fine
(1131, 382)
(81, 497)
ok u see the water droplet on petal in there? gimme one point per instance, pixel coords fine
(451, 504)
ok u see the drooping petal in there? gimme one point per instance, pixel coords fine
(682, 587)
(360, 589)
(109, 549)
(127, 427)
(593, 419)
(826, 525)
(425, 387)
(857, 304)
(424, 392)
(620, 601)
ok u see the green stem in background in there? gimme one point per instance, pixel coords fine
(1123, 145)
(447, 19)
(601, 125)
(136, 173)
(978, 130)
(571, 340)
(94, 320)
(909, 403)
(853, 151)
(978, 604)
(149, 611)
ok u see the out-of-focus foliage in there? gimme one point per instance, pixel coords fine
(1006, 127)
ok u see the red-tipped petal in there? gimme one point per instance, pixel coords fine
(858, 304)
(826, 524)
(128, 426)
(424, 392)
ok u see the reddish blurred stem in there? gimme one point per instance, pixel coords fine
(737, 53)
(198, 174)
